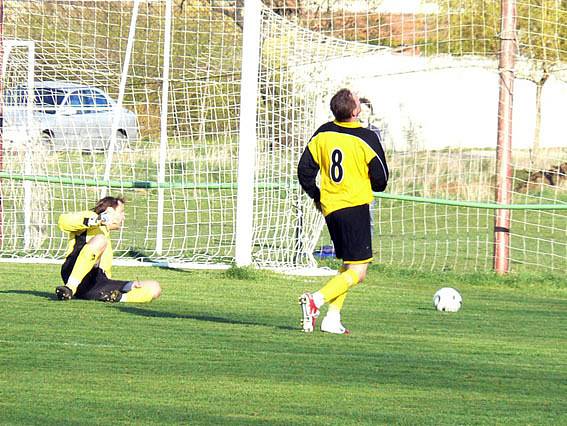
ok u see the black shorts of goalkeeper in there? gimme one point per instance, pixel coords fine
(96, 285)
(351, 232)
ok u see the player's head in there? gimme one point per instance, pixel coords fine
(345, 105)
(114, 205)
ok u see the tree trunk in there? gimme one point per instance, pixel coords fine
(536, 147)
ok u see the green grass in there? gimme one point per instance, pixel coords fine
(224, 348)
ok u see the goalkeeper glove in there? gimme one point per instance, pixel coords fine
(93, 221)
(105, 218)
(102, 219)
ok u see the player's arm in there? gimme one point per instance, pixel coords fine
(378, 168)
(80, 221)
(307, 171)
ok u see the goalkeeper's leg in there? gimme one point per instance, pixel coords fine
(350, 231)
(340, 284)
(335, 293)
(140, 291)
(85, 262)
(337, 303)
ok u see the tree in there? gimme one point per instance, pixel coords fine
(234, 8)
(541, 32)
(542, 39)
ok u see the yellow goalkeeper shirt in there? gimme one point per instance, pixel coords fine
(77, 224)
(352, 164)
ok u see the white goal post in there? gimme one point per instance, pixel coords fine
(18, 61)
(247, 133)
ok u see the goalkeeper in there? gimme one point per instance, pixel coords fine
(87, 269)
(352, 165)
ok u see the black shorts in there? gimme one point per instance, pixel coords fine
(350, 231)
(95, 282)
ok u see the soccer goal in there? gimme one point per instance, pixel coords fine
(178, 68)
(22, 219)
(198, 110)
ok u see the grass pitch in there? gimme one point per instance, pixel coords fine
(224, 348)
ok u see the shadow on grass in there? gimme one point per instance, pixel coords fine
(207, 318)
(42, 294)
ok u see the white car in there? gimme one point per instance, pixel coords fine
(66, 116)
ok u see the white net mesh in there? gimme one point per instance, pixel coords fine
(429, 69)
(83, 43)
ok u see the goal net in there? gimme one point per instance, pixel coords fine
(187, 147)
(430, 73)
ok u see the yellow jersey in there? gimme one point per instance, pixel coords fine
(352, 164)
(76, 224)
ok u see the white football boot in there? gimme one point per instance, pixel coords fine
(332, 324)
(309, 312)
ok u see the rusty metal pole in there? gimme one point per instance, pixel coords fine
(1, 119)
(504, 145)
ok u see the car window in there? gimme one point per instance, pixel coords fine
(101, 101)
(48, 97)
(14, 97)
(81, 101)
(74, 100)
(88, 101)
(45, 98)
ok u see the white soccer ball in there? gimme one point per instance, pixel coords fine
(447, 299)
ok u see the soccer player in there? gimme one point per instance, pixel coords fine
(87, 269)
(352, 164)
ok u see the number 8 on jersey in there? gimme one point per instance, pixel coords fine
(336, 168)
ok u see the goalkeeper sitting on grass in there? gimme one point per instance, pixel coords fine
(87, 269)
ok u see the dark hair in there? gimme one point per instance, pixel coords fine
(343, 105)
(107, 202)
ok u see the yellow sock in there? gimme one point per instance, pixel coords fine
(85, 262)
(138, 295)
(339, 285)
(337, 303)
